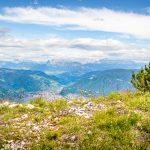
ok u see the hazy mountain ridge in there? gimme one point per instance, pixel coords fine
(59, 67)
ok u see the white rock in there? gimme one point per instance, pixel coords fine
(10, 141)
(17, 119)
(24, 116)
(64, 138)
(89, 132)
(87, 116)
(13, 105)
(30, 106)
(29, 123)
(35, 128)
(89, 105)
(22, 144)
(73, 138)
(5, 103)
(100, 106)
(50, 117)
(56, 119)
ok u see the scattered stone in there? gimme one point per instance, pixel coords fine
(89, 105)
(30, 106)
(25, 116)
(50, 117)
(89, 132)
(100, 106)
(72, 109)
(10, 141)
(119, 107)
(17, 119)
(35, 128)
(70, 102)
(137, 111)
(5, 103)
(30, 123)
(56, 119)
(13, 105)
(73, 138)
(88, 116)
(116, 102)
(64, 112)
(22, 144)
(15, 145)
(85, 111)
(64, 138)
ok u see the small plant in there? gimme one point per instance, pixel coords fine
(145, 125)
(71, 124)
(38, 119)
(40, 102)
(51, 136)
(58, 105)
(43, 145)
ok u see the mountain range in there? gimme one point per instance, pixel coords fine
(98, 78)
(55, 67)
(16, 83)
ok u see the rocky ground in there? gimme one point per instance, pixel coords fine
(117, 121)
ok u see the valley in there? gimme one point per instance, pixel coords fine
(20, 84)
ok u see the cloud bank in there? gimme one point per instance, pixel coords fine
(81, 50)
(103, 19)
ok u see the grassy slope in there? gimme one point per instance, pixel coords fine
(118, 121)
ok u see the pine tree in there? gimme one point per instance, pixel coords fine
(141, 79)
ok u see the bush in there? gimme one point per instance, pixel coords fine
(141, 79)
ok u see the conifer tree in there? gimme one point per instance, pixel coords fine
(141, 79)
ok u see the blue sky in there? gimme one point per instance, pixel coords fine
(134, 5)
(75, 30)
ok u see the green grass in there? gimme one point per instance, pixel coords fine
(123, 124)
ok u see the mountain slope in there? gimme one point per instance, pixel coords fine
(14, 81)
(101, 82)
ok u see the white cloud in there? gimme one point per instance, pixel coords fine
(81, 50)
(82, 19)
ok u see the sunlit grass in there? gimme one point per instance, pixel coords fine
(123, 123)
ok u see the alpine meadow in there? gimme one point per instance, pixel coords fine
(74, 75)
